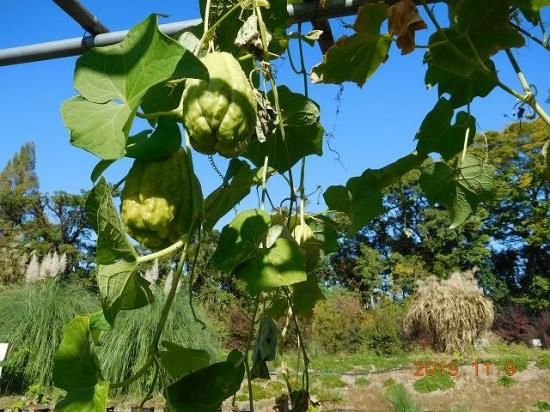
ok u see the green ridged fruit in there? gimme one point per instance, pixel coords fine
(220, 114)
(161, 200)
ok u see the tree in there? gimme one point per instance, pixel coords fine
(19, 197)
(519, 218)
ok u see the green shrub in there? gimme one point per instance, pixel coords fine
(542, 406)
(505, 381)
(383, 329)
(543, 362)
(32, 317)
(434, 383)
(339, 323)
(400, 399)
(361, 381)
(124, 349)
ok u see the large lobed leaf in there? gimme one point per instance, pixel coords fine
(112, 80)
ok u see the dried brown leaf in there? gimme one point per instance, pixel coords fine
(404, 21)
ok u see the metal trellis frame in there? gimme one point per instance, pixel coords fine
(71, 47)
(82, 16)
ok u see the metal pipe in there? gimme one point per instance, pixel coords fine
(72, 47)
(82, 16)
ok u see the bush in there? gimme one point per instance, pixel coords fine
(515, 325)
(543, 362)
(400, 399)
(32, 317)
(453, 313)
(383, 329)
(124, 350)
(436, 382)
(339, 323)
(505, 381)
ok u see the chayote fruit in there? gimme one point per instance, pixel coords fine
(161, 200)
(220, 114)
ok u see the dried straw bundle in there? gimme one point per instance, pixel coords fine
(452, 312)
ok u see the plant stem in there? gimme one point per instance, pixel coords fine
(170, 298)
(265, 45)
(528, 97)
(544, 44)
(245, 356)
(170, 249)
(300, 337)
(208, 32)
(135, 376)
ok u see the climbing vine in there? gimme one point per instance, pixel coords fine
(212, 91)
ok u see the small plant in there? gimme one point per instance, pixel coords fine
(506, 381)
(432, 383)
(542, 406)
(543, 362)
(452, 312)
(400, 399)
(332, 381)
(389, 382)
(361, 381)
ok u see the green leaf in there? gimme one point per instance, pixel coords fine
(122, 288)
(100, 129)
(165, 140)
(112, 243)
(281, 265)
(436, 133)
(163, 97)
(98, 325)
(461, 89)
(93, 399)
(99, 168)
(472, 19)
(75, 366)
(240, 239)
(325, 232)
(305, 296)
(460, 190)
(112, 80)
(303, 133)
(265, 349)
(338, 198)
(236, 186)
(206, 389)
(361, 199)
(179, 361)
(357, 57)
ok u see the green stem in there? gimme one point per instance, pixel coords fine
(170, 249)
(544, 44)
(153, 387)
(135, 376)
(170, 298)
(245, 356)
(211, 29)
(528, 97)
(302, 342)
(265, 44)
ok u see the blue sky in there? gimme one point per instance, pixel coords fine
(376, 124)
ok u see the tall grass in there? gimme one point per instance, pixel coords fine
(32, 316)
(400, 399)
(125, 348)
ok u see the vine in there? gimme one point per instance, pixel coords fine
(201, 94)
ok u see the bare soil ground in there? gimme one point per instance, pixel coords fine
(470, 393)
